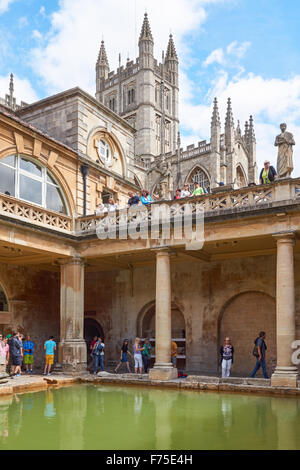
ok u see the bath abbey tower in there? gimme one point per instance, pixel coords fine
(145, 93)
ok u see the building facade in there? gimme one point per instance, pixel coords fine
(61, 156)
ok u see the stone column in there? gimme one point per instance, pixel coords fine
(72, 347)
(163, 368)
(285, 373)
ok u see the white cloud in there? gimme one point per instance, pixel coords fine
(23, 21)
(43, 11)
(36, 34)
(238, 50)
(22, 89)
(216, 56)
(4, 5)
(228, 56)
(270, 101)
(68, 55)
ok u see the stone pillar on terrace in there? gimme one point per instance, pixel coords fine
(72, 347)
(286, 372)
(163, 368)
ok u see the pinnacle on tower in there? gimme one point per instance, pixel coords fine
(215, 120)
(11, 84)
(102, 57)
(238, 130)
(246, 134)
(229, 115)
(171, 50)
(251, 133)
(146, 34)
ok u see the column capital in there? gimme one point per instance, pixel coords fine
(285, 237)
(162, 250)
(75, 260)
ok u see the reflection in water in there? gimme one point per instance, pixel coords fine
(109, 417)
(49, 405)
(226, 407)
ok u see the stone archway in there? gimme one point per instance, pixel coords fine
(242, 318)
(92, 328)
(146, 328)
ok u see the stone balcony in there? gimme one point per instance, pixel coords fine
(224, 202)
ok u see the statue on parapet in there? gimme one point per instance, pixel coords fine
(284, 142)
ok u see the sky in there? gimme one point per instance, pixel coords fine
(244, 49)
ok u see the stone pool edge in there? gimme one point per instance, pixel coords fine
(31, 384)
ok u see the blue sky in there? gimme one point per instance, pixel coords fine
(246, 49)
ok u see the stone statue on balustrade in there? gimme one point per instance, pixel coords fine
(166, 181)
(284, 142)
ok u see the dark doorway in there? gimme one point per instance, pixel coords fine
(92, 328)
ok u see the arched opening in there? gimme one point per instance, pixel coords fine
(91, 329)
(240, 177)
(242, 318)
(146, 329)
(198, 176)
(3, 300)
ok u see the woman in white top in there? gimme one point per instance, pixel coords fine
(112, 207)
(137, 351)
(101, 209)
(185, 192)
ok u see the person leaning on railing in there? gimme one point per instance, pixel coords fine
(198, 190)
(268, 173)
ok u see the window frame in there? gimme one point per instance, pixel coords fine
(43, 179)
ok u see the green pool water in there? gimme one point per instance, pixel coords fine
(110, 417)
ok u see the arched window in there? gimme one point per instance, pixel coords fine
(240, 177)
(3, 301)
(200, 177)
(104, 152)
(25, 179)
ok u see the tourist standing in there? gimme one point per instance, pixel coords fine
(101, 209)
(226, 352)
(146, 355)
(174, 349)
(185, 191)
(197, 189)
(138, 361)
(112, 206)
(98, 353)
(177, 194)
(124, 356)
(16, 353)
(4, 354)
(93, 342)
(28, 347)
(133, 199)
(268, 173)
(146, 198)
(259, 351)
(50, 348)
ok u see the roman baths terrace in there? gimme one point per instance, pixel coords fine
(59, 277)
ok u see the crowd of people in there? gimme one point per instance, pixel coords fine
(267, 175)
(17, 351)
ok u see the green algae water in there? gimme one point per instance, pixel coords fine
(111, 417)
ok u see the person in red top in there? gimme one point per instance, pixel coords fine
(93, 342)
(177, 194)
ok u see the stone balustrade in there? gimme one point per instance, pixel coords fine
(25, 211)
(281, 193)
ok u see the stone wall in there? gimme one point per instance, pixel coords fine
(232, 297)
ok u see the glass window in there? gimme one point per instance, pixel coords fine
(54, 199)
(7, 180)
(30, 167)
(30, 190)
(10, 160)
(24, 179)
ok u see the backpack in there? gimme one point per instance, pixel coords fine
(255, 350)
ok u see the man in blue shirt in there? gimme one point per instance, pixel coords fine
(50, 348)
(28, 347)
(16, 354)
(260, 354)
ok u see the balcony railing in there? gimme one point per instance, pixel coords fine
(254, 197)
(21, 210)
(281, 193)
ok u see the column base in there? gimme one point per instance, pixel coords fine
(163, 372)
(72, 355)
(285, 377)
